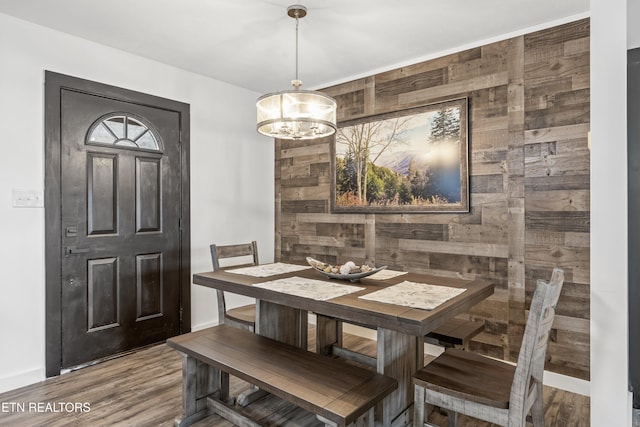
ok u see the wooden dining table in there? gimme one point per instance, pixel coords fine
(400, 329)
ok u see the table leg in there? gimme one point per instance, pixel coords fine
(282, 323)
(399, 356)
(328, 334)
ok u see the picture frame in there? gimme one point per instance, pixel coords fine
(409, 161)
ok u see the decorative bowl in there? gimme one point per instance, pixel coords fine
(333, 271)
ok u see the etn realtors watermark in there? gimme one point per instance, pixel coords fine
(45, 407)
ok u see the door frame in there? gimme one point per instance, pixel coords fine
(54, 84)
(633, 189)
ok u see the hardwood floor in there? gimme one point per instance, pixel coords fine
(144, 389)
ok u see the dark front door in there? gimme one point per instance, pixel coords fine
(120, 239)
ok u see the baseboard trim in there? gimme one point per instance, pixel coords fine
(202, 326)
(21, 379)
(33, 376)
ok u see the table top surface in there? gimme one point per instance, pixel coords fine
(349, 307)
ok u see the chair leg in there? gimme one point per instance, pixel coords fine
(418, 406)
(537, 409)
(452, 418)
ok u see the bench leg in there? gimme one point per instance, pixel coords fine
(229, 413)
(418, 406)
(364, 420)
(199, 380)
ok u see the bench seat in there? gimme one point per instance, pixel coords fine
(337, 392)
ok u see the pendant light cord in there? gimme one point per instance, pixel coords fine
(297, 46)
(297, 21)
(297, 12)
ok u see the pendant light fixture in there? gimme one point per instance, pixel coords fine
(296, 114)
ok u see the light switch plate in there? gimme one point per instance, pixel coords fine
(28, 198)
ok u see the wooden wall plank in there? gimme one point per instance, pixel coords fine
(563, 221)
(306, 206)
(556, 133)
(495, 212)
(557, 165)
(473, 249)
(564, 182)
(424, 80)
(332, 218)
(557, 35)
(450, 90)
(557, 256)
(413, 231)
(558, 200)
(445, 61)
(307, 150)
(350, 104)
(475, 233)
(515, 203)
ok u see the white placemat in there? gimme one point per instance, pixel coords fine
(266, 270)
(414, 295)
(309, 288)
(386, 274)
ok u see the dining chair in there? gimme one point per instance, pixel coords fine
(242, 317)
(492, 390)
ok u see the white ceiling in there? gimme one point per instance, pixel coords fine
(251, 43)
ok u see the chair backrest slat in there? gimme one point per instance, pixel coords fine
(219, 252)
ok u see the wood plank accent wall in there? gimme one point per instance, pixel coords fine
(529, 181)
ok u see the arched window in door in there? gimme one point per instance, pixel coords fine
(123, 130)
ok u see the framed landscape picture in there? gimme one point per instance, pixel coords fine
(414, 160)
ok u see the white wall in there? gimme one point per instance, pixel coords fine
(633, 29)
(231, 173)
(610, 399)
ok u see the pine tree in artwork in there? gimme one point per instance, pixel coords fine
(445, 125)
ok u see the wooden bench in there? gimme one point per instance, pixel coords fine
(455, 333)
(339, 393)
